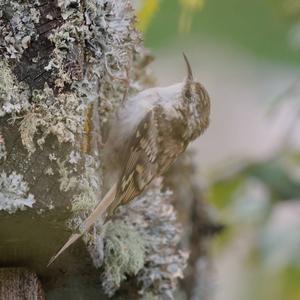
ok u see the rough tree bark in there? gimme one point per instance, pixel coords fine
(66, 65)
(20, 284)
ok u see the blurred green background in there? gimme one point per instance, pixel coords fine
(247, 54)
(260, 27)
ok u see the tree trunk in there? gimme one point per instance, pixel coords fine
(20, 284)
(58, 61)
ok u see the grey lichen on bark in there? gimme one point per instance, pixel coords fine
(151, 219)
(66, 66)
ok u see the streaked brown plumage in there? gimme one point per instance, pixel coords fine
(151, 130)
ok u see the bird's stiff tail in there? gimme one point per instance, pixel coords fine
(91, 219)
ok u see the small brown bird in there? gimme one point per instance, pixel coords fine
(150, 131)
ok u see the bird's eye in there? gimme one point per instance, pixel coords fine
(187, 94)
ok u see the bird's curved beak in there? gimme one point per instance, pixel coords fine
(189, 69)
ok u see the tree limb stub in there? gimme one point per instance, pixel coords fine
(20, 284)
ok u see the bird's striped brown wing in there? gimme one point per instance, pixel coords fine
(141, 164)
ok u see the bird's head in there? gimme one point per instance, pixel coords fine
(196, 103)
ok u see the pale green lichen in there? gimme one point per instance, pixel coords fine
(150, 296)
(107, 29)
(49, 171)
(62, 116)
(142, 242)
(17, 33)
(52, 157)
(14, 96)
(113, 38)
(28, 129)
(84, 184)
(82, 202)
(67, 58)
(154, 218)
(67, 181)
(3, 152)
(74, 157)
(124, 254)
(68, 7)
(88, 185)
(65, 39)
(14, 193)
